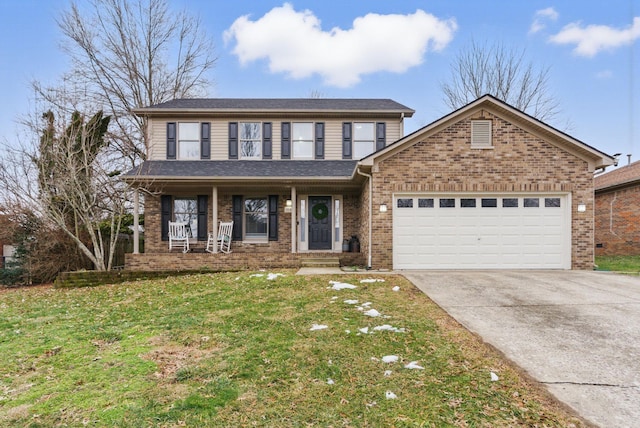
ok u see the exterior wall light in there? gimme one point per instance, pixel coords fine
(383, 208)
(287, 206)
(582, 208)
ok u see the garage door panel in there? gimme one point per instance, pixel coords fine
(481, 237)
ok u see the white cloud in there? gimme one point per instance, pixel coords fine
(593, 39)
(294, 43)
(540, 18)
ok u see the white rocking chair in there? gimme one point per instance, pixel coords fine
(178, 236)
(222, 240)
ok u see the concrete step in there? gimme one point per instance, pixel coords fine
(321, 262)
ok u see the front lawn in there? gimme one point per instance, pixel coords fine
(627, 264)
(250, 349)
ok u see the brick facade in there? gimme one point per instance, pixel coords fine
(518, 162)
(617, 221)
(244, 255)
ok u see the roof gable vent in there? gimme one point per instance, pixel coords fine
(481, 134)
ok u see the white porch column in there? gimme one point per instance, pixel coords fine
(136, 221)
(294, 220)
(214, 216)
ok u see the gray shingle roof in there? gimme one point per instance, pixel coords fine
(281, 104)
(244, 169)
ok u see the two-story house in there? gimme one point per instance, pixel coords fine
(486, 186)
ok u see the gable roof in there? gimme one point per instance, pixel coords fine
(252, 105)
(624, 176)
(593, 156)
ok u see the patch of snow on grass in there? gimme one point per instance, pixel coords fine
(396, 288)
(387, 327)
(330, 381)
(273, 276)
(390, 359)
(336, 285)
(256, 275)
(494, 377)
(390, 395)
(364, 330)
(387, 373)
(351, 302)
(372, 313)
(370, 280)
(413, 365)
(315, 327)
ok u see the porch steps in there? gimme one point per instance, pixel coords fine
(321, 262)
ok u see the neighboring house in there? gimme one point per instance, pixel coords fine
(486, 186)
(617, 214)
(6, 255)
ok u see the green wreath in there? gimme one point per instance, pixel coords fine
(320, 211)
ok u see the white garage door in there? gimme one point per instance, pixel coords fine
(481, 232)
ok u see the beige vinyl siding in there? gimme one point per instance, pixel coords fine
(158, 133)
(219, 140)
(394, 131)
(220, 134)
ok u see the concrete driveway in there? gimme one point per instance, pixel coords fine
(577, 332)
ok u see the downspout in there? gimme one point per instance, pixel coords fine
(370, 213)
(615, 196)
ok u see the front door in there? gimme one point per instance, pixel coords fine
(320, 222)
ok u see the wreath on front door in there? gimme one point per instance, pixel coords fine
(320, 211)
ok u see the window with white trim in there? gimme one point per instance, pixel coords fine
(250, 140)
(255, 213)
(481, 134)
(188, 140)
(363, 139)
(185, 210)
(302, 140)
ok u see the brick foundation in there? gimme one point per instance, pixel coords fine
(231, 261)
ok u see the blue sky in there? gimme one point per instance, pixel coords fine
(378, 49)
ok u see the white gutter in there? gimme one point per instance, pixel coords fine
(370, 213)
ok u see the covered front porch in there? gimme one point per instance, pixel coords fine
(276, 223)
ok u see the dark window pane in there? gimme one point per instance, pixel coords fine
(552, 202)
(531, 202)
(405, 203)
(468, 203)
(447, 203)
(510, 202)
(425, 203)
(489, 202)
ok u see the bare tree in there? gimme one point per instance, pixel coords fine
(128, 54)
(65, 181)
(504, 73)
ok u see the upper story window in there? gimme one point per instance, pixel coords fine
(188, 140)
(363, 139)
(250, 140)
(302, 140)
(360, 139)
